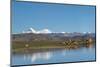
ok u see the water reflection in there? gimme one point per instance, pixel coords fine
(38, 55)
(48, 54)
(55, 55)
(43, 55)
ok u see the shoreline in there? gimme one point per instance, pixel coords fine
(29, 49)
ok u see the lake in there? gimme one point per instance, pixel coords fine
(54, 56)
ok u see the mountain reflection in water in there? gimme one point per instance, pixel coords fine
(86, 53)
(36, 56)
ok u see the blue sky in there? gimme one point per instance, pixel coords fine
(56, 17)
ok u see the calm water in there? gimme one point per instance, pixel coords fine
(54, 56)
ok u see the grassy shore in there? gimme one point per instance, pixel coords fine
(20, 46)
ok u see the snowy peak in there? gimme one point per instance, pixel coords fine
(47, 31)
(44, 31)
(31, 30)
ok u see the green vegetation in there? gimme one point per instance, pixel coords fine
(20, 46)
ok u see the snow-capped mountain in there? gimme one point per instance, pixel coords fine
(46, 34)
(44, 31)
(31, 30)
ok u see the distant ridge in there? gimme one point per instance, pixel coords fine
(47, 31)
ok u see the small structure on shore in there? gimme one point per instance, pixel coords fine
(26, 45)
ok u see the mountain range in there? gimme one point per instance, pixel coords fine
(46, 34)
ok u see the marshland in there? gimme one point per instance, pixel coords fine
(31, 42)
